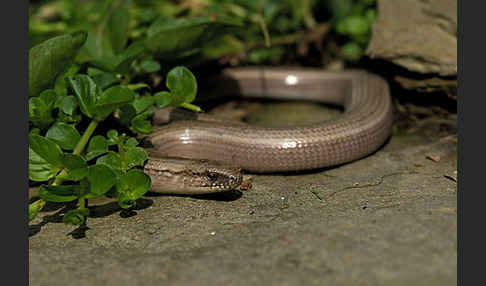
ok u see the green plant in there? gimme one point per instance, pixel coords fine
(199, 30)
(83, 79)
(353, 20)
(65, 154)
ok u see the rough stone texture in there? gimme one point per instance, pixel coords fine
(420, 35)
(388, 219)
(448, 86)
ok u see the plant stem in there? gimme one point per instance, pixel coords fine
(190, 106)
(78, 149)
(263, 26)
(85, 138)
(121, 150)
(81, 203)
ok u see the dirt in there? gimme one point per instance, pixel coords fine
(388, 219)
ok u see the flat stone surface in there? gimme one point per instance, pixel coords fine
(388, 219)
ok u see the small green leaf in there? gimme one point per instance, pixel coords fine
(149, 66)
(182, 37)
(112, 160)
(76, 165)
(49, 96)
(140, 125)
(101, 178)
(59, 100)
(351, 51)
(73, 162)
(104, 80)
(111, 99)
(97, 146)
(58, 194)
(118, 27)
(162, 99)
(112, 137)
(51, 58)
(39, 113)
(127, 113)
(35, 208)
(182, 85)
(74, 119)
(61, 84)
(131, 142)
(353, 25)
(86, 92)
(135, 156)
(40, 108)
(108, 63)
(69, 104)
(39, 169)
(370, 15)
(34, 131)
(92, 72)
(131, 186)
(143, 103)
(64, 134)
(125, 60)
(46, 149)
(75, 217)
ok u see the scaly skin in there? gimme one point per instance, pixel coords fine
(361, 130)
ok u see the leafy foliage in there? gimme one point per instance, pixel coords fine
(184, 37)
(197, 31)
(353, 19)
(51, 58)
(78, 81)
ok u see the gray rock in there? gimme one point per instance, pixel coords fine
(419, 35)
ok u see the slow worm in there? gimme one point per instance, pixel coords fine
(363, 127)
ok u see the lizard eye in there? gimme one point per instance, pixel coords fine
(211, 176)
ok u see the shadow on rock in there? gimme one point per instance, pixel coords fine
(54, 218)
(94, 212)
(227, 196)
(113, 207)
(79, 232)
